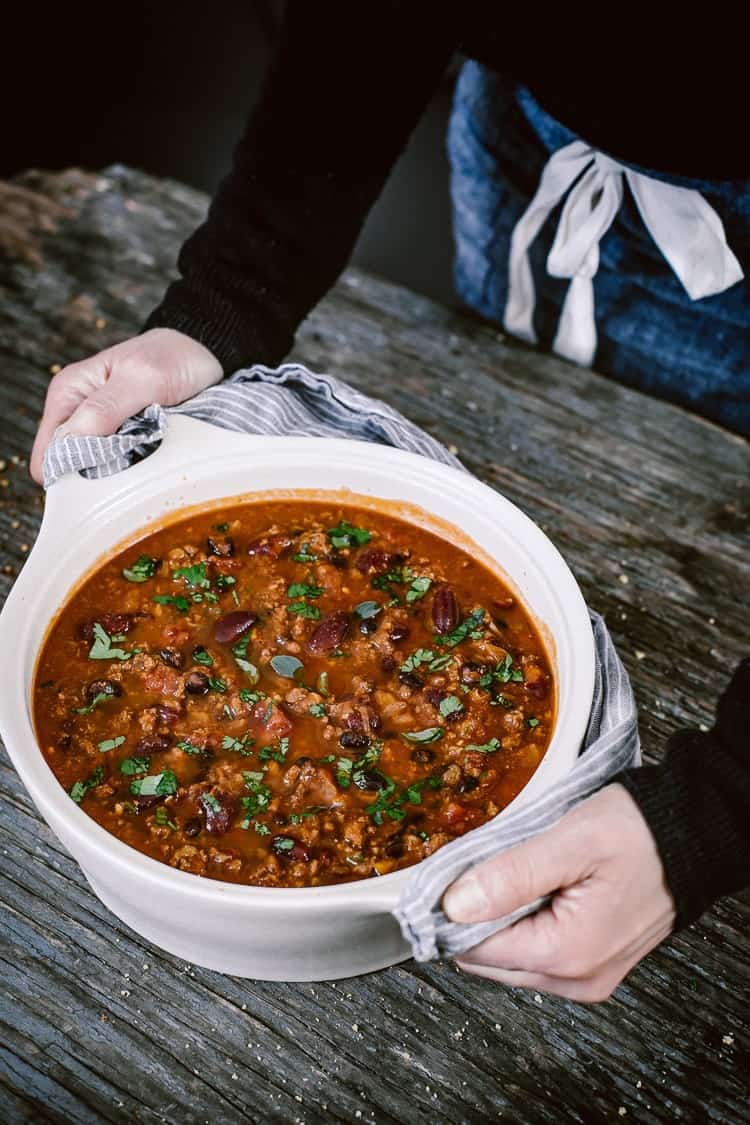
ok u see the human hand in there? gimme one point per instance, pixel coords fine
(97, 394)
(610, 907)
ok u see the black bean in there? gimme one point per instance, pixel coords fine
(193, 827)
(353, 740)
(398, 633)
(302, 761)
(411, 679)
(395, 847)
(369, 625)
(172, 658)
(467, 785)
(196, 684)
(102, 687)
(423, 755)
(369, 779)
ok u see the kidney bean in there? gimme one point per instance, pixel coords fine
(434, 696)
(112, 623)
(374, 560)
(298, 851)
(395, 847)
(330, 632)
(271, 546)
(218, 808)
(353, 740)
(196, 683)
(102, 687)
(472, 673)
(144, 803)
(445, 613)
(167, 714)
(152, 744)
(193, 827)
(423, 755)
(231, 627)
(224, 550)
(172, 658)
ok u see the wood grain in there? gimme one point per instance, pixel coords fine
(651, 507)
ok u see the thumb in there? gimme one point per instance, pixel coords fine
(107, 407)
(516, 877)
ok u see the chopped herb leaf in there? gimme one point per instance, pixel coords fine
(193, 576)
(420, 656)
(302, 609)
(505, 672)
(213, 803)
(202, 656)
(469, 627)
(79, 789)
(260, 795)
(486, 747)
(344, 535)
(228, 712)
(102, 648)
(130, 766)
(278, 753)
(532, 723)
(317, 710)
(224, 581)
(161, 816)
(217, 684)
(187, 747)
(329, 758)
(110, 743)
(235, 597)
(283, 843)
(424, 836)
(156, 784)
(366, 610)
(439, 663)
(238, 745)
(303, 590)
(142, 569)
(429, 734)
(248, 696)
(304, 556)
(261, 829)
(286, 666)
(451, 705)
(180, 603)
(418, 589)
(98, 698)
(249, 669)
(344, 768)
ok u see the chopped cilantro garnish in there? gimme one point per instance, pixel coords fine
(532, 723)
(98, 698)
(130, 766)
(193, 576)
(417, 658)
(213, 803)
(344, 535)
(221, 526)
(260, 795)
(451, 705)
(238, 745)
(344, 768)
(180, 603)
(304, 555)
(217, 684)
(142, 569)
(79, 789)
(248, 696)
(224, 581)
(110, 743)
(261, 829)
(429, 734)
(286, 666)
(317, 710)
(368, 609)
(302, 609)
(303, 590)
(202, 656)
(161, 816)
(249, 669)
(283, 843)
(469, 627)
(277, 753)
(156, 784)
(187, 747)
(102, 648)
(418, 589)
(486, 747)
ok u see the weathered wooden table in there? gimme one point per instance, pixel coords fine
(650, 506)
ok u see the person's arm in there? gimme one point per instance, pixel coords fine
(346, 87)
(625, 868)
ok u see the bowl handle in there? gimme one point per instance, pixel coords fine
(184, 441)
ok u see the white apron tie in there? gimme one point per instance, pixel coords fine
(681, 222)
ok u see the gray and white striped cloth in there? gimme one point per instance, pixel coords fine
(292, 400)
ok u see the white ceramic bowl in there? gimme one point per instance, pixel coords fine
(314, 933)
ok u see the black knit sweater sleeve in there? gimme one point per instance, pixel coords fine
(697, 804)
(339, 102)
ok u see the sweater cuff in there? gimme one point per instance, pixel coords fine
(693, 804)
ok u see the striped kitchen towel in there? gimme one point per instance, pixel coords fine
(292, 400)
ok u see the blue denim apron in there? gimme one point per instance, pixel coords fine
(650, 334)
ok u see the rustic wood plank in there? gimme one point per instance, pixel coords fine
(99, 1026)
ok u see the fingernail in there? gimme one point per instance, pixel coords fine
(465, 900)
